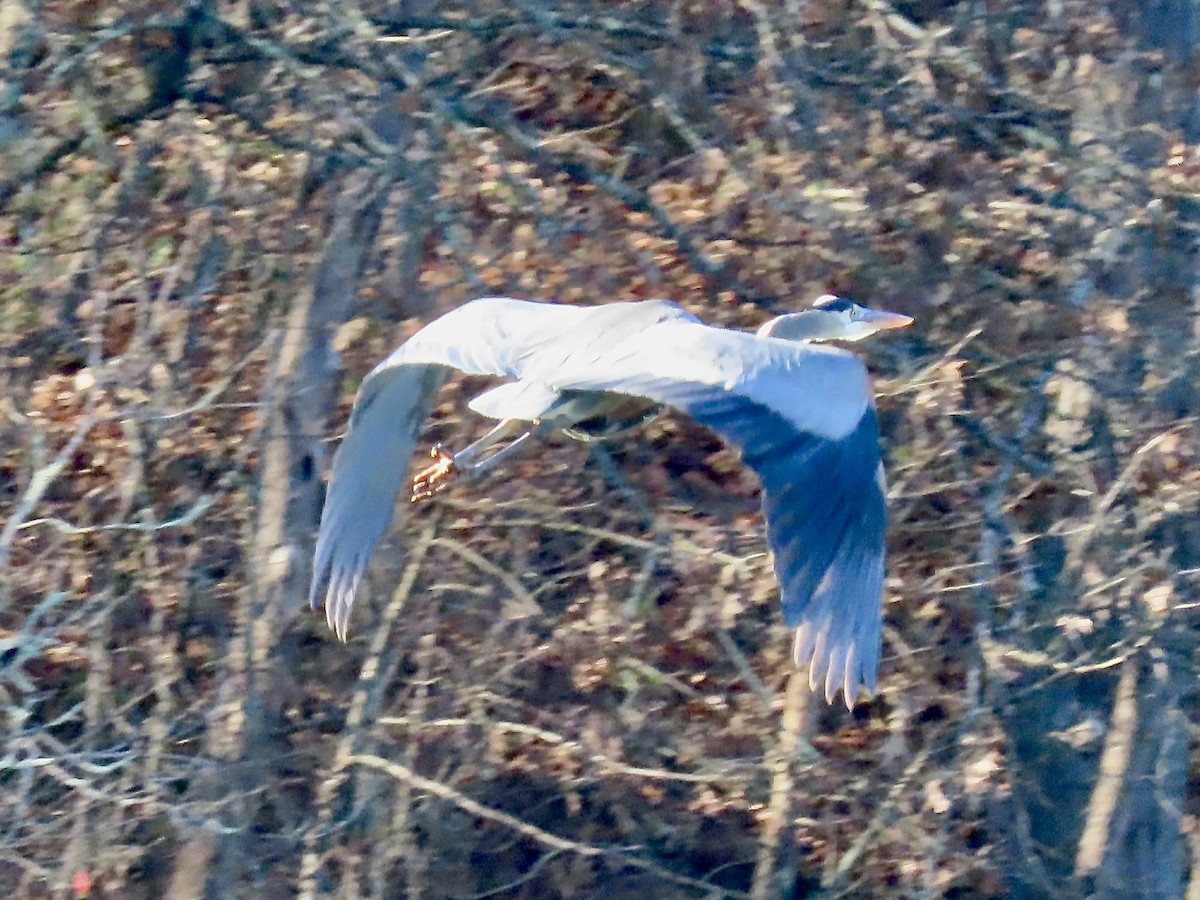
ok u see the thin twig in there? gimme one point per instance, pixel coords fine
(533, 832)
(197, 509)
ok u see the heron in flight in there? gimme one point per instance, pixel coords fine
(802, 415)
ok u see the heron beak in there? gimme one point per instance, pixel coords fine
(884, 321)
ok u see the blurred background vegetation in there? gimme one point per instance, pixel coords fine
(216, 217)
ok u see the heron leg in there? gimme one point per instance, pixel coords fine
(433, 478)
(474, 468)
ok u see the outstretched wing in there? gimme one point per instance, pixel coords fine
(368, 469)
(490, 336)
(826, 517)
(804, 420)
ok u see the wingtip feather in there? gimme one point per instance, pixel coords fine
(836, 670)
(836, 664)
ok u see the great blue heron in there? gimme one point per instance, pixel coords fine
(802, 415)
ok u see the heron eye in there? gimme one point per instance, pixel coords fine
(855, 314)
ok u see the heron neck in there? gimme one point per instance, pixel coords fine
(810, 325)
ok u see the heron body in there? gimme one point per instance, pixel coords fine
(802, 415)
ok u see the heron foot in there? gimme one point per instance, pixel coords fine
(433, 478)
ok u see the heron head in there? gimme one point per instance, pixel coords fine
(833, 318)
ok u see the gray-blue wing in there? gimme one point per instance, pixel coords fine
(804, 418)
(368, 469)
(823, 487)
(826, 520)
(486, 336)
(490, 336)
